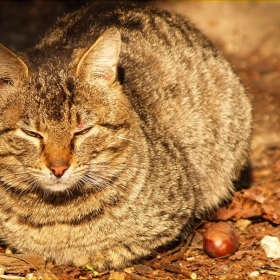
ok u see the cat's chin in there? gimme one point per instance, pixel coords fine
(57, 187)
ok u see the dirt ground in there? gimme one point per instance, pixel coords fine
(254, 210)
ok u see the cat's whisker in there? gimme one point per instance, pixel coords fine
(7, 176)
(8, 166)
(34, 186)
(68, 192)
(24, 190)
(102, 171)
(97, 181)
(79, 180)
(95, 184)
(17, 179)
(104, 181)
(15, 175)
(12, 183)
(105, 168)
(98, 176)
(127, 139)
(113, 172)
(28, 181)
(79, 185)
(31, 182)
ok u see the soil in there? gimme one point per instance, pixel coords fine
(254, 210)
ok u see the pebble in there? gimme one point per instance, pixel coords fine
(193, 276)
(271, 246)
(254, 274)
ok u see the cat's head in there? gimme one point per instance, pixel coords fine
(64, 126)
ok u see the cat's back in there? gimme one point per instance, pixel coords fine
(135, 20)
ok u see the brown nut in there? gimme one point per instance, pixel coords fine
(220, 239)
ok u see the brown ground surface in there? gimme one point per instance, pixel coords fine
(255, 208)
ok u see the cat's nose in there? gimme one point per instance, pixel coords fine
(59, 170)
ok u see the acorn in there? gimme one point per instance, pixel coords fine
(220, 239)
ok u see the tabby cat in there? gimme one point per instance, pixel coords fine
(118, 130)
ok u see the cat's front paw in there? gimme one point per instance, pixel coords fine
(107, 260)
(97, 261)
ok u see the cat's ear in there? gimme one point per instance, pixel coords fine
(12, 68)
(101, 59)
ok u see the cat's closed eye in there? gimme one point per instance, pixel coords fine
(82, 132)
(6, 81)
(32, 133)
(114, 126)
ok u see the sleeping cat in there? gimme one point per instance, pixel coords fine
(117, 131)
